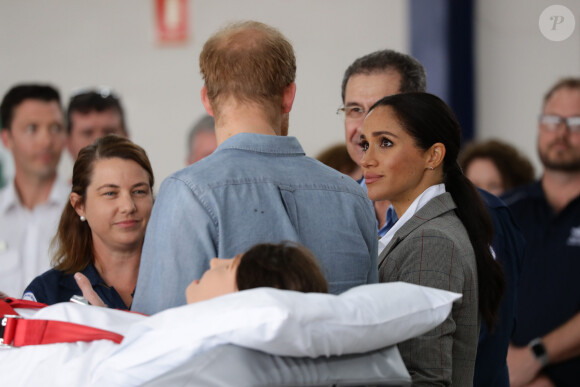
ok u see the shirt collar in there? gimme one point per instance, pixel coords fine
(418, 203)
(9, 198)
(263, 143)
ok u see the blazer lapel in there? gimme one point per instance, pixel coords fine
(434, 208)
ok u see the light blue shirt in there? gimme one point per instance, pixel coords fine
(253, 189)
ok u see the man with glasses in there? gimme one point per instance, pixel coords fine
(386, 72)
(31, 204)
(92, 114)
(546, 342)
(367, 80)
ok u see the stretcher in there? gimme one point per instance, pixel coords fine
(258, 337)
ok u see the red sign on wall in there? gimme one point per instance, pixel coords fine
(172, 21)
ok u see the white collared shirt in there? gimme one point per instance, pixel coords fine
(418, 203)
(25, 236)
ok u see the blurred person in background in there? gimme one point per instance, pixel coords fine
(92, 114)
(30, 205)
(495, 166)
(337, 157)
(201, 140)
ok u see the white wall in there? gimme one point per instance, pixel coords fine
(77, 43)
(516, 65)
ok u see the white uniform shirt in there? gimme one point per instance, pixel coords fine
(25, 236)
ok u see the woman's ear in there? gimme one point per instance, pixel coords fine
(436, 155)
(76, 201)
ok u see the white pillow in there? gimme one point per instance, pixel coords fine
(278, 322)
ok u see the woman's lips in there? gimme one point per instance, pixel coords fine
(127, 223)
(371, 178)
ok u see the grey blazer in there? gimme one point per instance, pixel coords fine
(433, 249)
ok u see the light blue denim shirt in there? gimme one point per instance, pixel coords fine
(254, 188)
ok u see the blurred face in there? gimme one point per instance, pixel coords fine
(559, 148)
(86, 128)
(220, 279)
(117, 206)
(361, 92)
(36, 138)
(393, 165)
(484, 174)
(202, 145)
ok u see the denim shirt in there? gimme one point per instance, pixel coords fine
(253, 189)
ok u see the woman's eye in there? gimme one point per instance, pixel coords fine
(385, 143)
(364, 145)
(31, 128)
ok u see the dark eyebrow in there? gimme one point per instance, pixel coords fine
(376, 134)
(140, 184)
(117, 187)
(107, 186)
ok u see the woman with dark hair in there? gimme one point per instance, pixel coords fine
(101, 231)
(442, 239)
(496, 166)
(287, 266)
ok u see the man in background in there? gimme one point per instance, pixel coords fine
(386, 72)
(366, 80)
(546, 342)
(201, 140)
(93, 114)
(258, 186)
(32, 202)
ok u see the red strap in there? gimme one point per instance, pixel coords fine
(8, 304)
(19, 332)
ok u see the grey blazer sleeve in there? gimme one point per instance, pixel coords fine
(427, 260)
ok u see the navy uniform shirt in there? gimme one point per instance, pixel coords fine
(55, 286)
(508, 246)
(548, 294)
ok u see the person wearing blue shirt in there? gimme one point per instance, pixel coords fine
(546, 343)
(258, 186)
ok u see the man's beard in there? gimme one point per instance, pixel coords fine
(569, 164)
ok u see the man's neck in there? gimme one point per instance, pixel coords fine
(237, 119)
(33, 191)
(560, 188)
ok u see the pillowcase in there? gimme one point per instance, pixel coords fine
(277, 322)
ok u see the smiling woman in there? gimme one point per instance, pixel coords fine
(101, 231)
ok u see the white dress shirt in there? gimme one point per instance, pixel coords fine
(25, 236)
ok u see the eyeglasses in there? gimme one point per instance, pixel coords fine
(351, 113)
(551, 123)
(102, 91)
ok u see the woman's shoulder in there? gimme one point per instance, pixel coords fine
(49, 287)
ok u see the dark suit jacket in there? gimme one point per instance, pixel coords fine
(433, 249)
